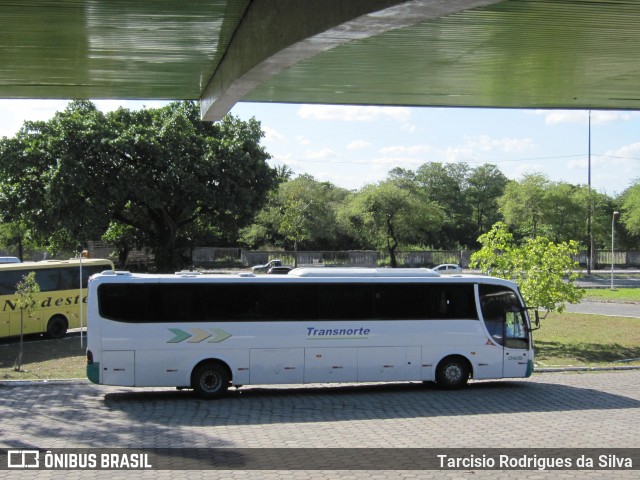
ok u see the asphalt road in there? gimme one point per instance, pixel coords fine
(606, 308)
(602, 279)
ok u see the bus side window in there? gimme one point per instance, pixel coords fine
(9, 280)
(48, 279)
(69, 279)
(452, 302)
(123, 302)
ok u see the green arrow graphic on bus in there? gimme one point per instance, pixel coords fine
(219, 335)
(180, 335)
(197, 335)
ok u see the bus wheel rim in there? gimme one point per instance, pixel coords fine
(210, 381)
(453, 373)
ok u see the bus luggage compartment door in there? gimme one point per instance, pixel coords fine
(383, 364)
(276, 365)
(331, 365)
(118, 368)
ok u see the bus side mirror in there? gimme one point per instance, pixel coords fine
(536, 319)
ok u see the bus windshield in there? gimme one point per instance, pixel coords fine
(504, 316)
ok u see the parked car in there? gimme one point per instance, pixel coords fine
(281, 270)
(265, 268)
(9, 260)
(447, 268)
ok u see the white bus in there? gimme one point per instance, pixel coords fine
(209, 332)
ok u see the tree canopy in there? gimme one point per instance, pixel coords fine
(162, 180)
(391, 213)
(631, 208)
(155, 172)
(543, 270)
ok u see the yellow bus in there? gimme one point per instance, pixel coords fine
(59, 300)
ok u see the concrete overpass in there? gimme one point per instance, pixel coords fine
(468, 53)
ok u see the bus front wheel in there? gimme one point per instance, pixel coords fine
(452, 373)
(210, 380)
(57, 327)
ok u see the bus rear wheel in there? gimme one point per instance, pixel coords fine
(57, 327)
(210, 380)
(452, 373)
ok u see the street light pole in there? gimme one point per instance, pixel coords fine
(589, 234)
(613, 235)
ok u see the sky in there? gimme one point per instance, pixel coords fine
(352, 146)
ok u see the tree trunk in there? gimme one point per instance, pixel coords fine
(392, 244)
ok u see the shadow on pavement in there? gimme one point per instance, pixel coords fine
(256, 405)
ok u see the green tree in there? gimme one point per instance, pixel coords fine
(565, 211)
(523, 203)
(447, 185)
(486, 186)
(468, 196)
(26, 291)
(158, 171)
(298, 211)
(391, 213)
(543, 270)
(301, 212)
(25, 168)
(630, 217)
(17, 237)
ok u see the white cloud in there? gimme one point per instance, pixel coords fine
(324, 154)
(287, 159)
(460, 153)
(13, 113)
(486, 144)
(474, 146)
(387, 163)
(406, 150)
(598, 117)
(358, 145)
(349, 113)
(410, 128)
(623, 159)
(632, 150)
(272, 135)
(303, 140)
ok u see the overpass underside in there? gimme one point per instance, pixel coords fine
(459, 53)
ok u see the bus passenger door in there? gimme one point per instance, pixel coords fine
(516, 345)
(506, 324)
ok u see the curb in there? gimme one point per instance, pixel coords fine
(585, 369)
(60, 381)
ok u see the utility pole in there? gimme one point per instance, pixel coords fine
(589, 235)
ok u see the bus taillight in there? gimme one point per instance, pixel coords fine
(89, 357)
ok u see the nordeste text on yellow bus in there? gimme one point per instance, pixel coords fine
(48, 302)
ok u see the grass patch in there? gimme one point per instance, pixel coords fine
(567, 339)
(44, 359)
(573, 339)
(617, 295)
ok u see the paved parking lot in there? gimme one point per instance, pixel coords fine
(560, 410)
